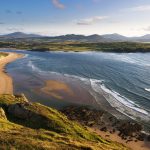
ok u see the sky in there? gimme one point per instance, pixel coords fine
(58, 17)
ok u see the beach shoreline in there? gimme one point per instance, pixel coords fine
(6, 86)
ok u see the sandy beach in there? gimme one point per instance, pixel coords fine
(6, 84)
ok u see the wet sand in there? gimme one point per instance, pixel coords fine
(6, 84)
(66, 90)
(55, 88)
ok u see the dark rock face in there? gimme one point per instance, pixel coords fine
(21, 111)
(2, 114)
(84, 115)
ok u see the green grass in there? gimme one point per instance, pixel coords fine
(46, 129)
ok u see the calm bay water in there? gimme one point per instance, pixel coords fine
(123, 80)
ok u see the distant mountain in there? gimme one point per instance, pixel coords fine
(69, 37)
(19, 35)
(115, 37)
(147, 36)
(78, 38)
(97, 38)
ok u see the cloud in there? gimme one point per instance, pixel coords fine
(92, 20)
(1, 23)
(58, 4)
(15, 29)
(139, 8)
(19, 12)
(8, 11)
(147, 29)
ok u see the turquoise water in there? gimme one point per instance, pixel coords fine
(122, 79)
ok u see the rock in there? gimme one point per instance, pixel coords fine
(104, 129)
(2, 114)
(136, 141)
(129, 128)
(113, 130)
(84, 115)
(128, 141)
(141, 137)
(18, 111)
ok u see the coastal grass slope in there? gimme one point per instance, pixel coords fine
(26, 125)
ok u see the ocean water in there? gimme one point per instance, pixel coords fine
(123, 79)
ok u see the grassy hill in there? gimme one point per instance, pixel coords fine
(25, 125)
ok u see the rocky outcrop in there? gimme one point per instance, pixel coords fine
(27, 116)
(127, 129)
(18, 110)
(84, 115)
(2, 114)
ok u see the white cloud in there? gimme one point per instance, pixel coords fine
(58, 4)
(147, 29)
(15, 29)
(139, 8)
(92, 20)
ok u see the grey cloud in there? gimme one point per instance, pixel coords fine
(19, 12)
(147, 29)
(1, 23)
(8, 11)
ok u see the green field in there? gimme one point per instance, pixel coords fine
(41, 45)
